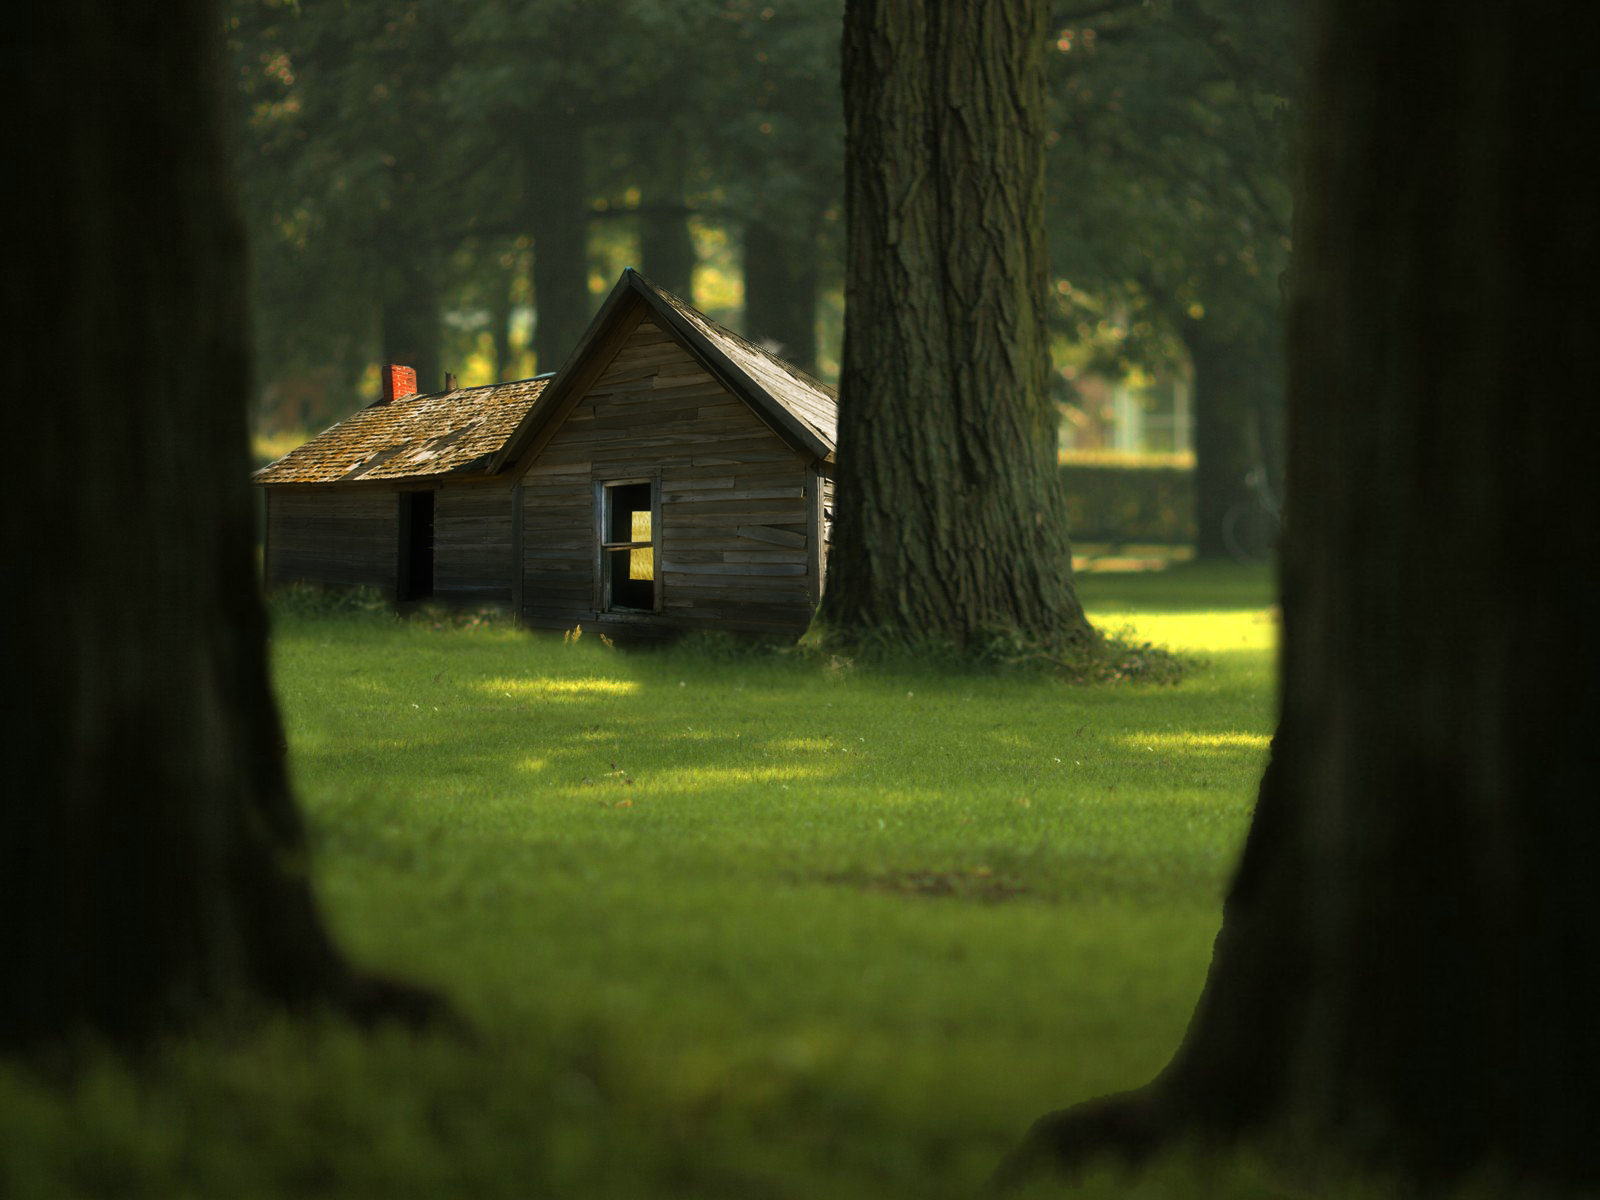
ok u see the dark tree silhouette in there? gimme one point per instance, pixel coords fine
(152, 864)
(949, 522)
(1406, 969)
(556, 214)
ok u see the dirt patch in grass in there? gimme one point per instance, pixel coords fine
(970, 883)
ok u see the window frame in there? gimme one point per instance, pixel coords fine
(603, 509)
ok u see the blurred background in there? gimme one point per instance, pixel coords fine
(456, 187)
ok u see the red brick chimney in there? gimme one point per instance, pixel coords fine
(398, 382)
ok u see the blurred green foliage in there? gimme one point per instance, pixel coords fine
(1125, 503)
(402, 152)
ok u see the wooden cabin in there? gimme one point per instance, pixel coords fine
(672, 476)
(401, 496)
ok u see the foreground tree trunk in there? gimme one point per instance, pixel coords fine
(1406, 967)
(949, 517)
(152, 863)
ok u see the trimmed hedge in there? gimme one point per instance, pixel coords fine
(1125, 500)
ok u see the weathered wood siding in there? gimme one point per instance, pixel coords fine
(735, 514)
(472, 542)
(344, 536)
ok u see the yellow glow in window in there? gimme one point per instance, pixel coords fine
(641, 562)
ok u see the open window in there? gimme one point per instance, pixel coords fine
(414, 578)
(629, 538)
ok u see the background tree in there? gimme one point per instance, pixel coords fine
(462, 140)
(1404, 973)
(152, 865)
(1169, 215)
(949, 520)
(780, 161)
(410, 162)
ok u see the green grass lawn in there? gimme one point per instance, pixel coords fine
(726, 927)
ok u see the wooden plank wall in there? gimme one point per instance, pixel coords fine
(472, 542)
(344, 536)
(734, 510)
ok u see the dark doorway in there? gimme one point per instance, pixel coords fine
(416, 546)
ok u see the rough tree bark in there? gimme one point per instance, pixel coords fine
(554, 192)
(1406, 967)
(780, 289)
(152, 864)
(949, 518)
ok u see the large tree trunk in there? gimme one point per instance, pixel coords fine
(950, 523)
(1406, 966)
(780, 289)
(152, 863)
(555, 193)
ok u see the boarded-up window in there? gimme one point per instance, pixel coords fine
(628, 545)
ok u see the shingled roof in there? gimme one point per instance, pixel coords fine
(801, 410)
(441, 433)
(816, 404)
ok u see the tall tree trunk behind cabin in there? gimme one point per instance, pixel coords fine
(500, 309)
(780, 289)
(1406, 969)
(152, 861)
(410, 315)
(1235, 383)
(666, 247)
(950, 521)
(556, 195)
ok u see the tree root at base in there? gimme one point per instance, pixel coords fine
(1127, 1129)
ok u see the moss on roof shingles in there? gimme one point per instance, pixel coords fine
(441, 433)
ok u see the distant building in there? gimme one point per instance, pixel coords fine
(670, 476)
(1138, 415)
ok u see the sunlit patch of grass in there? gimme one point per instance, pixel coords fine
(698, 779)
(803, 745)
(1152, 741)
(557, 690)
